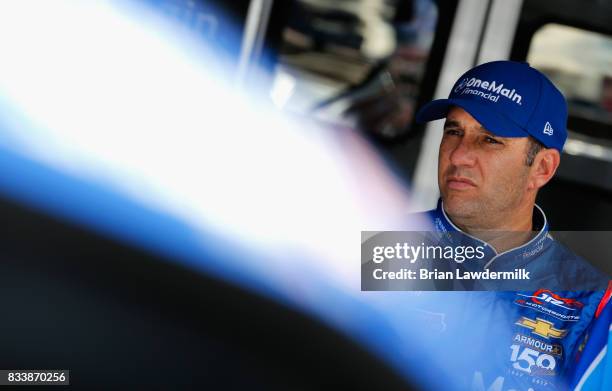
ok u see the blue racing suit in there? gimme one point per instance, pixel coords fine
(513, 337)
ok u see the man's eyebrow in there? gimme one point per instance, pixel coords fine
(486, 131)
(451, 123)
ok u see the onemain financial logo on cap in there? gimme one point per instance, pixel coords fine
(490, 90)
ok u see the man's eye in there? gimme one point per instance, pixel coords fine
(491, 140)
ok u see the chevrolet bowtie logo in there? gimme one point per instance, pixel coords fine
(541, 327)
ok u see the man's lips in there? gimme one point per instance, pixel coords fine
(459, 183)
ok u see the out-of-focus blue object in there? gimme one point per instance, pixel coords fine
(111, 121)
(594, 369)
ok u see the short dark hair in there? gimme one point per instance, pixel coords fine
(533, 147)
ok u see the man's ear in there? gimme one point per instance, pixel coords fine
(544, 167)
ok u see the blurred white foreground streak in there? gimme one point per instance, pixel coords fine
(120, 96)
(113, 94)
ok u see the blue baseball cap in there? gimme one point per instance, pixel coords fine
(510, 99)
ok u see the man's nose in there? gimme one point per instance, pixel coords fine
(463, 154)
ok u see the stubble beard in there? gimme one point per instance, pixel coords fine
(487, 212)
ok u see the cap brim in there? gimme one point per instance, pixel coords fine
(493, 121)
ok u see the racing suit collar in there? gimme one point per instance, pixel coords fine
(443, 224)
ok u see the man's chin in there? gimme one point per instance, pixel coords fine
(460, 205)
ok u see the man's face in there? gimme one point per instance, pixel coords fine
(481, 176)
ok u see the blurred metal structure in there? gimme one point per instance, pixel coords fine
(253, 39)
(460, 53)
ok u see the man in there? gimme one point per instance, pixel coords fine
(504, 131)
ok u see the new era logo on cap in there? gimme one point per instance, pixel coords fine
(548, 129)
